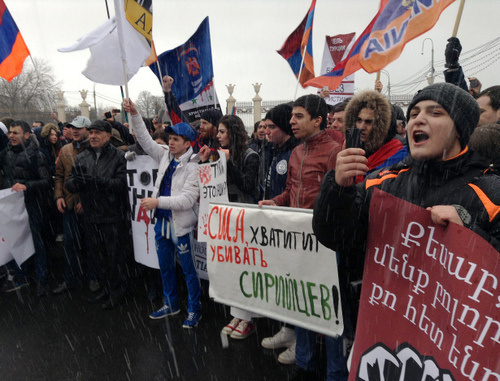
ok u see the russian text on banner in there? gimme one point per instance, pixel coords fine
(336, 49)
(16, 241)
(141, 176)
(268, 261)
(430, 304)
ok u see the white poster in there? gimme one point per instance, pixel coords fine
(268, 261)
(212, 181)
(336, 49)
(141, 176)
(16, 241)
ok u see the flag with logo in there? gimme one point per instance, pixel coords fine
(13, 49)
(190, 64)
(124, 37)
(396, 23)
(298, 49)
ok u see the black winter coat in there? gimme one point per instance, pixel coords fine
(341, 214)
(102, 184)
(25, 164)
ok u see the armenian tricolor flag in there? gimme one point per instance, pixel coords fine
(13, 49)
(396, 23)
(299, 44)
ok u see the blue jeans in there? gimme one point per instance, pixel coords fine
(166, 249)
(336, 362)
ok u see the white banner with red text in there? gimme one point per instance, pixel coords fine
(268, 261)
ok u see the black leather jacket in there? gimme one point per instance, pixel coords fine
(102, 184)
(25, 164)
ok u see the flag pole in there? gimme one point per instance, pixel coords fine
(300, 72)
(459, 16)
(119, 24)
(127, 116)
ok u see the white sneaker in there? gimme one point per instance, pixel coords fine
(228, 329)
(283, 339)
(288, 357)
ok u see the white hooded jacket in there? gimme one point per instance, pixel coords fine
(183, 201)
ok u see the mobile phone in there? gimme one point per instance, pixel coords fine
(474, 83)
(108, 115)
(161, 114)
(116, 111)
(353, 138)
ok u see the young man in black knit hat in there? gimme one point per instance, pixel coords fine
(441, 174)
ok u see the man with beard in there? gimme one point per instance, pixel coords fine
(373, 127)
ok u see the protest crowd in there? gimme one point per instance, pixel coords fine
(442, 154)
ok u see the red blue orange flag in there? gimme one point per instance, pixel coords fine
(13, 49)
(383, 40)
(298, 45)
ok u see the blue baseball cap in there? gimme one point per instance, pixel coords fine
(182, 129)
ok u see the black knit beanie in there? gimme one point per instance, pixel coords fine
(281, 115)
(458, 103)
(212, 115)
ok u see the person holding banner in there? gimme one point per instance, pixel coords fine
(25, 169)
(308, 164)
(242, 185)
(175, 200)
(442, 175)
(279, 134)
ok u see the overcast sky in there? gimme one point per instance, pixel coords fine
(245, 36)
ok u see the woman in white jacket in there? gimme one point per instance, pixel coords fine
(175, 198)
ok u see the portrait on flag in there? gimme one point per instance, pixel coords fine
(268, 261)
(190, 64)
(429, 302)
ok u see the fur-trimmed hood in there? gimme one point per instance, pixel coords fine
(47, 128)
(382, 116)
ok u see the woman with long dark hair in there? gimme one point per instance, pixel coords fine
(242, 184)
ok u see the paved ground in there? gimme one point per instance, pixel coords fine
(64, 337)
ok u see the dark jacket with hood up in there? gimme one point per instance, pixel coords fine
(382, 149)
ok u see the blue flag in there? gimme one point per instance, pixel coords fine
(190, 64)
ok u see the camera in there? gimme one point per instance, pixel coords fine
(108, 115)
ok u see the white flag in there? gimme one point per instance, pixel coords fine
(105, 64)
(16, 241)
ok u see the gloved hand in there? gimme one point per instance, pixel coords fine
(130, 155)
(452, 53)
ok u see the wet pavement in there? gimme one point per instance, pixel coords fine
(63, 337)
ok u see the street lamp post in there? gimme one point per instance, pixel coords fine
(388, 84)
(430, 75)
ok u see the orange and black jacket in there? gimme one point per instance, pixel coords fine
(341, 214)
